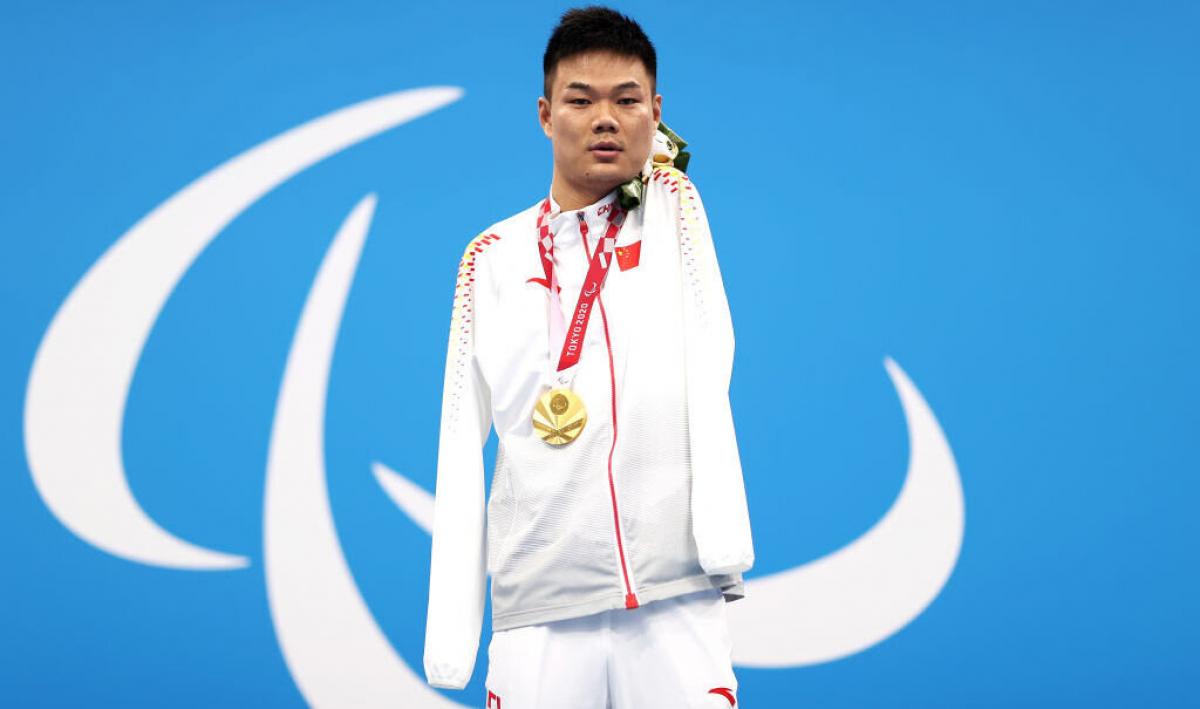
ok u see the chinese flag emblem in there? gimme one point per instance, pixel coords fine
(627, 256)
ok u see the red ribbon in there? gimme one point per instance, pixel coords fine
(601, 260)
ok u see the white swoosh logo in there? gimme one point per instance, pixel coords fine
(864, 592)
(75, 405)
(79, 383)
(333, 647)
(853, 598)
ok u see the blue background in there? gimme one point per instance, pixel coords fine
(1002, 196)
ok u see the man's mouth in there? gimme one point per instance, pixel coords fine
(605, 150)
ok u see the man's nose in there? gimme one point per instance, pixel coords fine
(604, 121)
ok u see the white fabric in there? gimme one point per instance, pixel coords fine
(674, 653)
(547, 532)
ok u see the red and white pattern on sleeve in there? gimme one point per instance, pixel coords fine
(462, 321)
(676, 180)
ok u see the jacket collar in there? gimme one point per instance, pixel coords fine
(591, 211)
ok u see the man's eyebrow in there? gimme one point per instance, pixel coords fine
(619, 87)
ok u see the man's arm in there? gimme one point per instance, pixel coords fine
(720, 517)
(458, 563)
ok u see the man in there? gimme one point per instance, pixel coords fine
(616, 527)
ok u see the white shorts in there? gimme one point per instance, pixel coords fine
(673, 653)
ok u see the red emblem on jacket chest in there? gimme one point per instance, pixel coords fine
(628, 256)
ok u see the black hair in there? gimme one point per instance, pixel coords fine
(591, 28)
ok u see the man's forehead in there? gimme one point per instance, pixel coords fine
(601, 70)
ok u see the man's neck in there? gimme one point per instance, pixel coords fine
(569, 197)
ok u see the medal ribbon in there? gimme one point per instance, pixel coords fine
(601, 260)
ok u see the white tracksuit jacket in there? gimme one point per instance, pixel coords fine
(648, 502)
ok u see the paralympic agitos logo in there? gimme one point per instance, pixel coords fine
(814, 612)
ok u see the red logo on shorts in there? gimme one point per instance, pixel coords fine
(492, 695)
(724, 692)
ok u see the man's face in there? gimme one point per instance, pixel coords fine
(600, 118)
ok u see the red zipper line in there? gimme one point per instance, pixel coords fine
(631, 600)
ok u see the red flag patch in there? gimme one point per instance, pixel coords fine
(628, 256)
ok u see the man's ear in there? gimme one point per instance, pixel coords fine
(544, 116)
(657, 108)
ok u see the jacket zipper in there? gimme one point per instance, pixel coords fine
(631, 600)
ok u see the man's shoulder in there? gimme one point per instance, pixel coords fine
(669, 191)
(668, 172)
(671, 179)
(501, 236)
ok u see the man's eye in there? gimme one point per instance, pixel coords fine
(630, 100)
(578, 101)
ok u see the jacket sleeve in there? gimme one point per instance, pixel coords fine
(720, 516)
(458, 562)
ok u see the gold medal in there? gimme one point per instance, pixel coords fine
(559, 416)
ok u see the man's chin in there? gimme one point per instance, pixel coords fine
(610, 175)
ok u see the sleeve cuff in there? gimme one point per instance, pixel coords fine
(445, 677)
(726, 566)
